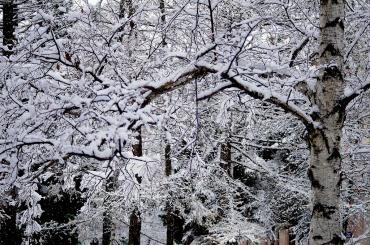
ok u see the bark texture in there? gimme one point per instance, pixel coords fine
(325, 140)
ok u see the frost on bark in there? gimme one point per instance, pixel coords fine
(324, 140)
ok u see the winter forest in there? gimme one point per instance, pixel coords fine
(194, 122)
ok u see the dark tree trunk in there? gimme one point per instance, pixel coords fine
(135, 219)
(126, 9)
(225, 157)
(169, 216)
(135, 228)
(108, 225)
(137, 148)
(210, 8)
(162, 8)
(170, 225)
(121, 14)
(9, 24)
(167, 157)
(163, 21)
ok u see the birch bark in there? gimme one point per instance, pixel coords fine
(325, 140)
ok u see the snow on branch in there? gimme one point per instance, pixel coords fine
(351, 95)
(179, 79)
(268, 95)
(195, 71)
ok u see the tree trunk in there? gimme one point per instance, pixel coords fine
(108, 225)
(170, 225)
(169, 215)
(121, 14)
(212, 24)
(325, 139)
(137, 148)
(126, 8)
(284, 237)
(163, 21)
(135, 219)
(167, 159)
(9, 24)
(135, 228)
(325, 176)
(225, 157)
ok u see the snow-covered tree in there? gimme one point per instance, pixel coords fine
(237, 87)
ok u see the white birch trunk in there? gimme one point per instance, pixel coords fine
(325, 158)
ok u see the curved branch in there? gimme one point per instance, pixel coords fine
(200, 70)
(296, 51)
(181, 78)
(343, 103)
(270, 96)
(209, 93)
